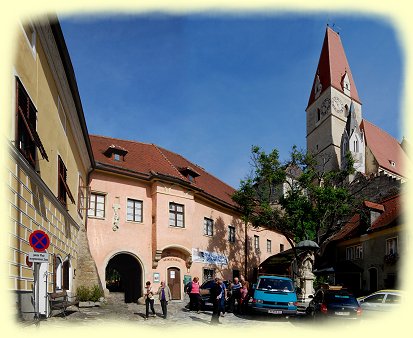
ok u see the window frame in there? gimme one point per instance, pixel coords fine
(93, 198)
(27, 140)
(354, 252)
(269, 245)
(63, 190)
(208, 227)
(176, 213)
(206, 277)
(389, 246)
(80, 197)
(231, 234)
(135, 202)
(256, 242)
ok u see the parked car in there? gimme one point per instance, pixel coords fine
(274, 295)
(205, 289)
(334, 303)
(380, 301)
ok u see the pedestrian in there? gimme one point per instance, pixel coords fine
(245, 297)
(216, 295)
(164, 297)
(223, 297)
(194, 295)
(149, 300)
(235, 295)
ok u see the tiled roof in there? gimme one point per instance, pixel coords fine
(391, 210)
(149, 160)
(348, 229)
(332, 66)
(385, 148)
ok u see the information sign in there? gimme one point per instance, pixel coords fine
(38, 257)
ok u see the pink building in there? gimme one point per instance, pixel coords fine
(156, 216)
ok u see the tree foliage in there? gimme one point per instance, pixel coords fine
(297, 198)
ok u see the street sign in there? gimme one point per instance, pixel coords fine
(39, 240)
(28, 263)
(38, 257)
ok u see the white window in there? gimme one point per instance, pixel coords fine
(97, 205)
(59, 273)
(354, 252)
(268, 245)
(176, 215)
(391, 246)
(256, 242)
(208, 227)
(134, 210)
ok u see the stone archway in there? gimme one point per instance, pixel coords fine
(123, 273)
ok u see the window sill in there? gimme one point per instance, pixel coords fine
(96, 217)
(134, 222)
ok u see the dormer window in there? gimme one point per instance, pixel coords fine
(189, 173)
(392, 163)
(116, 152)
(345, 84)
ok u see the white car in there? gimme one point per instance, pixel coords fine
(379, 301)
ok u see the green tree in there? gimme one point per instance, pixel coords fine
(298, 197)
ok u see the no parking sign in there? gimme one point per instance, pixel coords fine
(39, 241)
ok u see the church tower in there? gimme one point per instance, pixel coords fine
(334, 109)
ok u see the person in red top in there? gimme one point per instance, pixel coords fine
(194, 295)
(243, 308)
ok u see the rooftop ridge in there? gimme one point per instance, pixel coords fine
(198, 166)
(119, 139)
(167, 160)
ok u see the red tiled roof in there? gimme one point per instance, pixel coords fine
(348, 229)
(392, 210)
(391, 207)
(332, 66)
(149, 159)
(385, 148)
(374, 206)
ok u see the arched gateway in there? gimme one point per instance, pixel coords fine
(124, 274)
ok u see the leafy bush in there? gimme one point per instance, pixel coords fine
(85, 294)
(95, 293)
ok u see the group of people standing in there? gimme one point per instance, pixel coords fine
(237, 296)
(164, 294)
(240, 296)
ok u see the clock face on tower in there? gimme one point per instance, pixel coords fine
(325, 107)
(337, 105)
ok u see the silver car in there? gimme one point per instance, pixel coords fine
(381, 301)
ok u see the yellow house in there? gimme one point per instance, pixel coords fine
(49, 161)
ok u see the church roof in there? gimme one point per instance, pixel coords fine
(151, 161)
(333, 66)
(386, 149)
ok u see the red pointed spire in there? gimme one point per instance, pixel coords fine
(332, 67)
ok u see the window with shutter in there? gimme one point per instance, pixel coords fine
(63, 188)
(27, 139)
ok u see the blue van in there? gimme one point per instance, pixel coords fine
(274, 295)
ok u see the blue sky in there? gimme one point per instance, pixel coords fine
(210, 86)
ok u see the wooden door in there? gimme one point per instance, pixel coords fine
(174, 282)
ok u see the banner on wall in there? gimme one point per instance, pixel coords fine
(201, 256)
